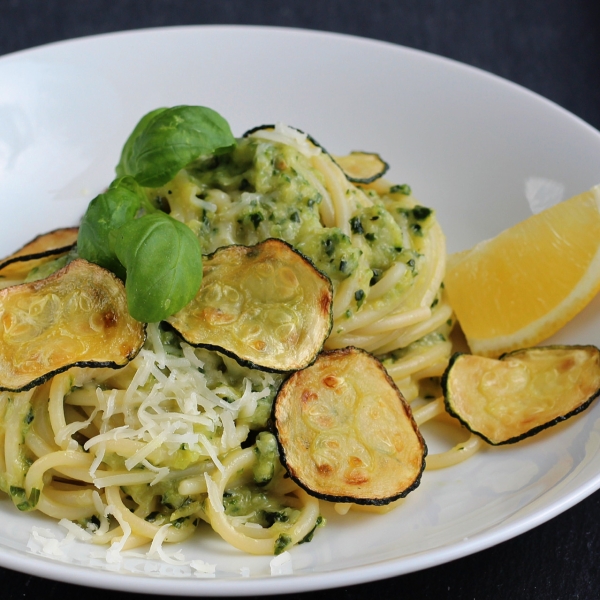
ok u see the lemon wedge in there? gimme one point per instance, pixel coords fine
(520, 287)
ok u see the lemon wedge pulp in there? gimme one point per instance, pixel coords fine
(519, 288)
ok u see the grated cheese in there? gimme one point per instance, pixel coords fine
(161, 472)
(189, 353)
(75, 531)
(282, 564)
(202, 569)
(118, 433)
(113, 554)
(71, 428)
(97, 459)
(100, 511)
(210, 448)
(208, 206)
(157, 550)
(46, 541)
(143, 452)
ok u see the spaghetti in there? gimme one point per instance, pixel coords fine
(146, 453)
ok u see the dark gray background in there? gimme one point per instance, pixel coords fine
(549, 46)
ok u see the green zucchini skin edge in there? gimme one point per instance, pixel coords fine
(36, 255)
(248, 363)
(365, 180)
(313, 141)
(82, 364)
(272, 126)
(346, 499)
(535, 430)
(28, 257)
(240, 361)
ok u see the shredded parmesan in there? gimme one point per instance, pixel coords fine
(97, 459)
(118, 433)
(189, 353)
(211, 451)
(101, 512)
(202, 569)
(282, 564)
(46, 541)
(66, 432)
(143, 452)
(209, 206)
(75, 531)
(157, 550)
(113, 554)
(161, 472)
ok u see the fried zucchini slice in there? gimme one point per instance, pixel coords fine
(523, 392)
(362, 167)
(40, 250)
(358, 167)
(265, 306)
(77, 317)
(345, 432)
(271, 127)
(59, 241)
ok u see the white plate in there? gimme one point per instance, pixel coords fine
(470, 144)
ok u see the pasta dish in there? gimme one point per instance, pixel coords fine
(174, 432)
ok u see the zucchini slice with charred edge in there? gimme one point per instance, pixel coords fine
(47, 245)
(77, 317)
(345, 432)
(523, 392)
(38, 253)
(362, 167)
(266, 306)
(358, 167)
(309, 137)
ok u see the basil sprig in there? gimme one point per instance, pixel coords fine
(159, 258)
(168, 139)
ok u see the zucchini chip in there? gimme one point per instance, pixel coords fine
(271, 127)
(362, 167)
(358, 167)
(523, 392)
(345, 432)
(40, 250)
(77, 317)
(265, 306)
(59, 241)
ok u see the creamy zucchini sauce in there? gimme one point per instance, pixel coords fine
(266, 189)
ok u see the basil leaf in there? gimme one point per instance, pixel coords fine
(105, 213)
(128, 148)
(168, 139)
(163, 259)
